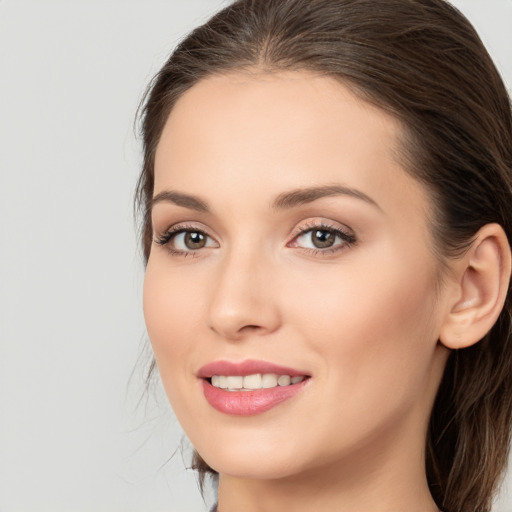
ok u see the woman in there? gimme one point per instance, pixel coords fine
(326, 196)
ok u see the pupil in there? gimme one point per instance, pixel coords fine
(194, 240)
(322, 239)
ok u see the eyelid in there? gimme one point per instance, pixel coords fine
(321, 223)
(343, 232)
(165, 237)
(182, 226)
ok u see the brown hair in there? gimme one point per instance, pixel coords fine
(422, 61)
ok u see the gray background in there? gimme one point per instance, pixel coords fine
(73, 436)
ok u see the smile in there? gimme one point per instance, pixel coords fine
(254, 381)
(249, 387)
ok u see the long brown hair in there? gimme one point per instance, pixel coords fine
(422, 61)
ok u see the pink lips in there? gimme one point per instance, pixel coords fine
(246, 403)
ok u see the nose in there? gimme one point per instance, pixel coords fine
(243, 300)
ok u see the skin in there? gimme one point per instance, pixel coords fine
(363, 320)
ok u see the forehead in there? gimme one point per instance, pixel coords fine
(267, 109)
(258, 133)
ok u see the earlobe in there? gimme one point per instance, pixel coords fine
(483, 277)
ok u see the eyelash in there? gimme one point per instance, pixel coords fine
(347, 238)
(172, 232)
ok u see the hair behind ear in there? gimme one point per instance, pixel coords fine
(469, 431)
(474, 405)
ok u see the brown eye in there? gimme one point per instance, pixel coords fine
(322, 238)
(194, 240)
(186, 240)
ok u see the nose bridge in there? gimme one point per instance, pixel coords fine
(242, 300)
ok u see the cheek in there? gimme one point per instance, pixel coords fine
(374, 325)
(345, 302)
(372, 336)
(170, 318)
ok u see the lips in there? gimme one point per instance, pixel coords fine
(223, 388)
(247, 367)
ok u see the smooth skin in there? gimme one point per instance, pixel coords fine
(368, 318)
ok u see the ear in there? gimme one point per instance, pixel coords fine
(482, 280)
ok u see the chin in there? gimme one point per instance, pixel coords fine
(256, 459)
(245, 466)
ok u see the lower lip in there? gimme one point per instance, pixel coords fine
(248, 403)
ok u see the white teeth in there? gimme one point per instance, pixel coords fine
(254, 381)
(284, 380)
(269, 380)
(235, 382)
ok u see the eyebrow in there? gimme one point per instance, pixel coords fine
(180, 199)
(283, 201)
(308, 195)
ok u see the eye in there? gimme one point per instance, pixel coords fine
(190, 240)
(322, 238)
(181, 240)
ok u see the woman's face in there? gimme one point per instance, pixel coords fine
(289, 241)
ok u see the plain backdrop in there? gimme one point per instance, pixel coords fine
(74, 436)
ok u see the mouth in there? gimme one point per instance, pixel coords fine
(250, 387)
(254, 381)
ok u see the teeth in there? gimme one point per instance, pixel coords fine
(255, 381)
(235, 382)
(284, 380)
(268, 380)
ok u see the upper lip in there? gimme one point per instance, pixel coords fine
(247, 367)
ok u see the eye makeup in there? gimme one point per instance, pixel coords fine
(323, 238)
(191, 239)
(316, 237)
